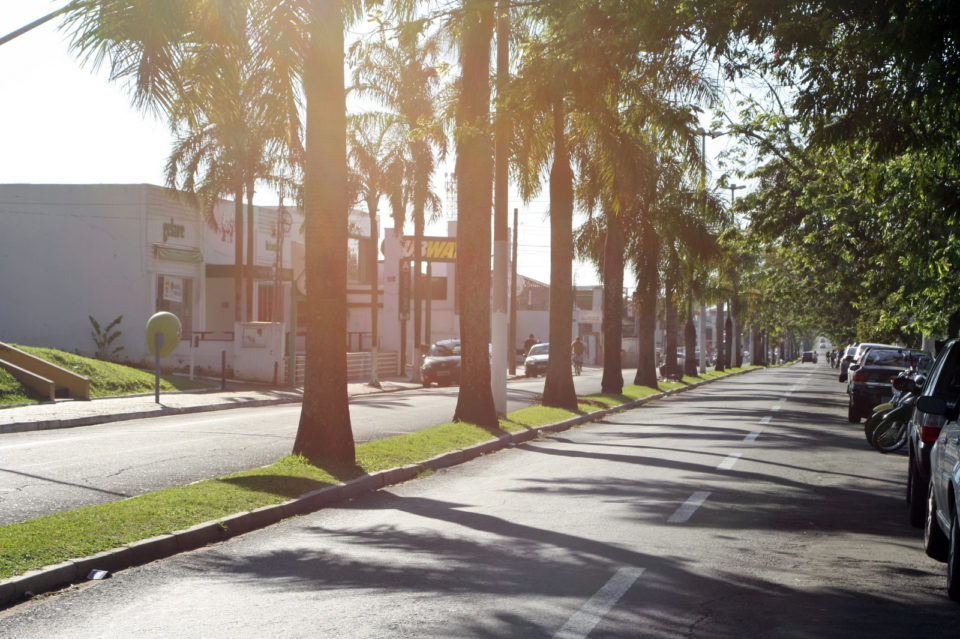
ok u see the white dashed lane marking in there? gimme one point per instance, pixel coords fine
(728, 462)
(585, 620)
(752, 436)
(686, 510)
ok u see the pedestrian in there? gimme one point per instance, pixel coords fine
(528, 344)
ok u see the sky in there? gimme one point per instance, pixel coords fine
(63, 123)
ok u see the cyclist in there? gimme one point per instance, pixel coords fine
(576, 349)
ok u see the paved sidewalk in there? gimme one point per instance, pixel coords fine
(69, 413)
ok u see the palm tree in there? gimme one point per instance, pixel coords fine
(474, 169)
(401, 75)
(374, 151)
(232, 126)
(303, 42)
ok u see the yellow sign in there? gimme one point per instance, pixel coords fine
(432, 249)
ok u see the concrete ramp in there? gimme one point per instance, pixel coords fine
(41, 376)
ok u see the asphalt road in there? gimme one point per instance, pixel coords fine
(50, 471)
(746, 508)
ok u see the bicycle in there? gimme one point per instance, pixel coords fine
(577, 365)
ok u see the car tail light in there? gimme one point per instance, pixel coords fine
(860, 377)
(929, 434)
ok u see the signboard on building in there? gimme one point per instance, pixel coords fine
(173, 289)
(432, 249)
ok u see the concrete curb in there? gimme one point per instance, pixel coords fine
(144, 551)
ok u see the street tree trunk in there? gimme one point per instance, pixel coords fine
(718, 329)
(325, 434)
(474, 202)
(690, 342)
(613, 255)
(558, 389)
(249, 269)
(647, 286)
(670, 317)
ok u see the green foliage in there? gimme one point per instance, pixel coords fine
(104, 338)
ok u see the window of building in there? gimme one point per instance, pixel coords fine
(266, 302)
(175, 295)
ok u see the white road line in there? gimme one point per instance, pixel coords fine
(686, 510)
(728, 463)
(584, 620)
(752, 436)
(777, 407)
(766, 420)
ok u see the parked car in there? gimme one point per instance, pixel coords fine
(536, 362)
(943, 384)
(809, 356)
(941, 532)
(870, 381)
(846, 360)
(442, 363)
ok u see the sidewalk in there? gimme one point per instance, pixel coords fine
(69, 413)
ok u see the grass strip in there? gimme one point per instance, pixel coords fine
(54, 538)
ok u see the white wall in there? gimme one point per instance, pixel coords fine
(69, 251)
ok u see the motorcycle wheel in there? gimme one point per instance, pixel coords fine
(890, 435)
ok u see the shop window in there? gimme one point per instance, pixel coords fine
(353, 260)
(175, 295)
(266, 302)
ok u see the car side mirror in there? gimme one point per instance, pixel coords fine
(932, 405)
(937, 406)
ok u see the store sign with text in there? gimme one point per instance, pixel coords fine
(432, 249)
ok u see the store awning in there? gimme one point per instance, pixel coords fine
(177, 254)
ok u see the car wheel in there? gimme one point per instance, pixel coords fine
(853, 415)
(953, 560)
(934, 541)
(918, 499)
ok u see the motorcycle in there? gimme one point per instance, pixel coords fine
(886, 428)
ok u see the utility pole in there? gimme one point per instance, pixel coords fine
(511, 347)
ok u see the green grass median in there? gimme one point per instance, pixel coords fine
(54, 538)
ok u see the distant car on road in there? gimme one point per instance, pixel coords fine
(442, 363)
(809, 356)
(537, 358)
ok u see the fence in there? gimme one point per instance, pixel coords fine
(358, 366)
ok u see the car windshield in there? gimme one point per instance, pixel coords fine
(898, 359)
(443, 350)
(539, 349)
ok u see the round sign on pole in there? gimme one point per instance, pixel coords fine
(167, 325)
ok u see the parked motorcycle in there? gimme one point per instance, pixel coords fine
(886, 428)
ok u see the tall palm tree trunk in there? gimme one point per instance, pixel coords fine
(558, 387)
(690, 341)
(417, 292)
(474, 202)
(718, 338)
(647, 285)
(612, 326)
(324, 433)
(670, 317)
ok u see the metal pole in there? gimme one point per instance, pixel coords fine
(157, 344)
(512, 346)
(498, 323)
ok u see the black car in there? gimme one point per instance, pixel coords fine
(943, 383)
(809, 356)
(869, 381)
(442, 363)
